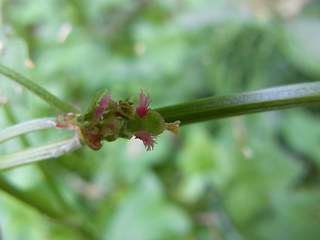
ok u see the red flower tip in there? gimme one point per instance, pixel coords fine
(147, 139)
(105, 101)
(103, 104)
(143, 108)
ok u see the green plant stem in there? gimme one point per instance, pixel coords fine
(41, 205)
(297, 95)
(12, 120)
(38, 90)
(53, 184)
(40, 153)
(47, 174)
(25, 127)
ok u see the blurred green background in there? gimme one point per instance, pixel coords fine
(252, 177)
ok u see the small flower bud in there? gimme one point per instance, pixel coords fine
(143, 108)
(103, 104)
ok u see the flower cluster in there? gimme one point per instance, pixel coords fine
(108, 120)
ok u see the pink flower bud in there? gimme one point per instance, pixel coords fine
(143, 108)
(103, 104)
(147, 139)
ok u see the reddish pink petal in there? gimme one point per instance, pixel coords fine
(147, 139)
(103, 104)
(105, 101)
(143, 108)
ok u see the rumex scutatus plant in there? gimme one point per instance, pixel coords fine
(108, 120)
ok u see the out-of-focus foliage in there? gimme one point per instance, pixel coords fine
(253, 177)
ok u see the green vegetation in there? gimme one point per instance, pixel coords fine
(248, 177)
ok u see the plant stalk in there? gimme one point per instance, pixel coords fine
(37, 124)
(40, 153)
(297, 95)
(25, 127)
(38, 90)
(40, 203)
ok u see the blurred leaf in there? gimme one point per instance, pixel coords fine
(13, 53)
(303, 133)
(295, 216)
(146, 215)
(303, 48)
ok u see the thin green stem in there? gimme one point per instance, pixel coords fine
(297, 95)
(40, 153)
(12, 120)
(25, 127)
(30, 199)
(38, 90)
(43, 206)
(47, 173)
(53, 184)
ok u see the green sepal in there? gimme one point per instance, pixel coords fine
(153, 123)
(124, 132)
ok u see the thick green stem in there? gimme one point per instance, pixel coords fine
(297, 95)
(38, 90)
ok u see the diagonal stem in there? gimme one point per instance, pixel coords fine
(38, 90)
(41, 206)
(40, 203)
